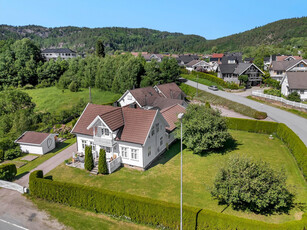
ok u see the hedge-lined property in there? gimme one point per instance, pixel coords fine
(293, 142)
(144, 210)
(8, 172)
(216, 100)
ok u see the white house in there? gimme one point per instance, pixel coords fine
(295, 81)
(36, 142)
(136, 136)
(157, 97)
(278, 69)
(63, 53)
(199, 65)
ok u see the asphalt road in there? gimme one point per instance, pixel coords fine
(294, 122)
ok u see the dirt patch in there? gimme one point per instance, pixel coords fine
(298, 215)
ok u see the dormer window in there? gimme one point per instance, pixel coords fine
(129, 97)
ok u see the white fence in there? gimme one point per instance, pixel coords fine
(271, 97)
(13, 186)
(114, 164)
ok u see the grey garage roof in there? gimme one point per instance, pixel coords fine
(297, 80)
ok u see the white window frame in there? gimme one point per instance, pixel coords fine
(129, 97)
(106, 132)
(149, 151)
(83, 143)
(134, 154)
(124, 152)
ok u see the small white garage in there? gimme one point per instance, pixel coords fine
(36, 142)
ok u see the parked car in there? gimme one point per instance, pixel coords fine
(213, 87)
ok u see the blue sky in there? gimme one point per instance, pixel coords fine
(211, 19)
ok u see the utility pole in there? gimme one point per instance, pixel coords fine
(90, 99)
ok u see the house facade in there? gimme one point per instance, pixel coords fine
(136, 136)
(278, 69)
(63, 53)
(201, 66)
(295, 82)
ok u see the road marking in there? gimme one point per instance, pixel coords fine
(15, 225)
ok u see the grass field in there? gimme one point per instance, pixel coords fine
(80, 219)
(33, 164)
(163, 180)
(201, 80)
(52, 99)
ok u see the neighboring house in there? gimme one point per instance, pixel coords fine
(185, 59)
(36, 142)
(63, 53)
(278, 69)
(295, 81)
(201, 66)
(287, 58)
(157, 97)
(216, 58)
(269, 60)
(137, 136)
(248, 60)
(149, 57)
(231, 73)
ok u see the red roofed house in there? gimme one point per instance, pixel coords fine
(216, 58)
(134, 137)
(35, 142)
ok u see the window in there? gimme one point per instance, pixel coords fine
(83, 144)
(149, 150)
(161, 141)
(93, 145)
(302, 91)
(134, 154)
(152, 131)
(129, 97)
(157, 127)
(124, 152)
(108, 149)
(106, 132)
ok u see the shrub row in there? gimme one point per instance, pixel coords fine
(141, 209)
(7, 172)
(293, 142)
(216, 100)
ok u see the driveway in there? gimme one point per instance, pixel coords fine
(50, 164)
(294, 122)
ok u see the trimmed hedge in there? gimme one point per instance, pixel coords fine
(217, 100)
(137, 209)
(8, 172)
(144, 210)
(293, 142)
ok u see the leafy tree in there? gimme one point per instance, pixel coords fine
(73, 87)
(294, 96)
(203, 129)
(243, 79)
(170, 71)
(88, 161)
(100, 49)
(1, 155)
(102, 162)
(246, 184)
(153, 72)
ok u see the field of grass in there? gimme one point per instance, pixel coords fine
(33, 164)
(81, 219)
(294, 111)
(52, 99)
(201, 80)
(162, 181)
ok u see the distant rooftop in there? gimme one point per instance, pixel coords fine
(60, 50)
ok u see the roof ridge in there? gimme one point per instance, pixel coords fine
(115, 108)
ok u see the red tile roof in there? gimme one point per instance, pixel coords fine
(170, 115)
(283, 57)
(217, 55)
(31, 137)
(171, 90)
(134, 124)
(145, 96)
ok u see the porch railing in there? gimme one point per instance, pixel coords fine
(114, 164)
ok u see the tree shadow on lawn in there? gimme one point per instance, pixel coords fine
(230, 145)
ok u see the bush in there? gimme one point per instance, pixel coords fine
(7, 172)
(88, 161)
(28, 86)
(248, 125)
(203, 129)
(102, 162)
(43, 84)
(246, 184)
(260, 115)
(73, 87)
(272, 83)
(1, 155)
(294, 96)
(11, 154)
(144, 210)
(274, 92)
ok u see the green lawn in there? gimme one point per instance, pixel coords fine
(42, 158)
(163, 180)
(201, 80)
(52, 99)
(81, 219)
(294, 111)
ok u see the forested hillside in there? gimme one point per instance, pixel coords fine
(287, 33)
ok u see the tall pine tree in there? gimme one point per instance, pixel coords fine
(102, 162)
(100, 49)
